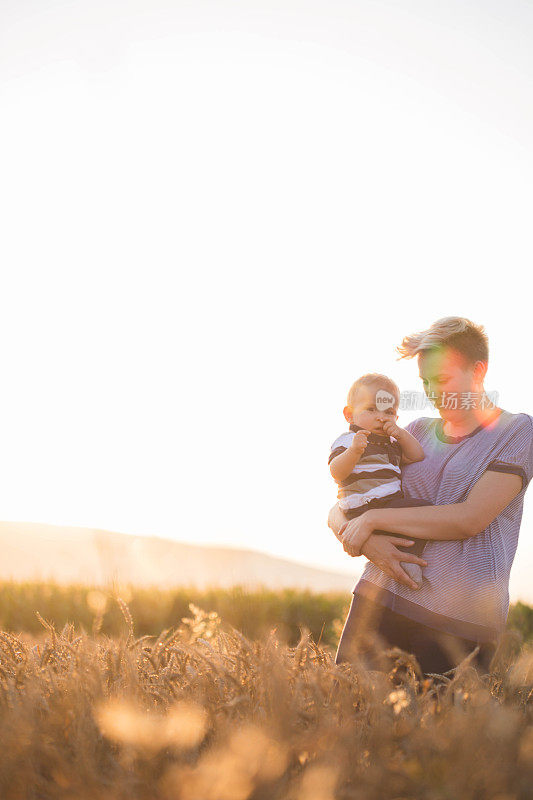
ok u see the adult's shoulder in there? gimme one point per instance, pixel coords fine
(516, 451)
(520, 423)
(525, 419)
(416, 426)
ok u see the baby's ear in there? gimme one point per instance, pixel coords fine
(347, 411)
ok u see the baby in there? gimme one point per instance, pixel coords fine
(365, 461)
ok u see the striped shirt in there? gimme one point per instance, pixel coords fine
(376, 475)
(465, 585)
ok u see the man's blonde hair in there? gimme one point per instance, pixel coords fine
(459, 333)
(373, 379)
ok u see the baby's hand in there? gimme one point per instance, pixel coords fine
(359, 441)
(391, 429)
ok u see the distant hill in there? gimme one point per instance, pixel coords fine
(34, 551)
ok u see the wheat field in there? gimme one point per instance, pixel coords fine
(202, 712)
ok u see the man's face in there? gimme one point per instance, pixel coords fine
(448, 378)
(372, 408)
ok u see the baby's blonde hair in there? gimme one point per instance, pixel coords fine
(459, 333)
(373, 379)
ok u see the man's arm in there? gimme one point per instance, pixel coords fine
(488, 497)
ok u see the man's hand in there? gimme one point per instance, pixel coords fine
(355, 534)
(360, 441)
(382, 551)
(358, 539)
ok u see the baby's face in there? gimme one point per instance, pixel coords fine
(370, 416)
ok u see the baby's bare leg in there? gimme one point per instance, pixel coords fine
(336, 519)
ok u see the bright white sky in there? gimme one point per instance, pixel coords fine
(215, 216)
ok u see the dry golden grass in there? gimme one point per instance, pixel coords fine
(203, 713)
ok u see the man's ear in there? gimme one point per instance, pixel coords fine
(347, 411)
(480, 370)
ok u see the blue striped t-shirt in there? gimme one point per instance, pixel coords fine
(465, 586)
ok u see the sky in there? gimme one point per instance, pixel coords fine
(215, 217)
